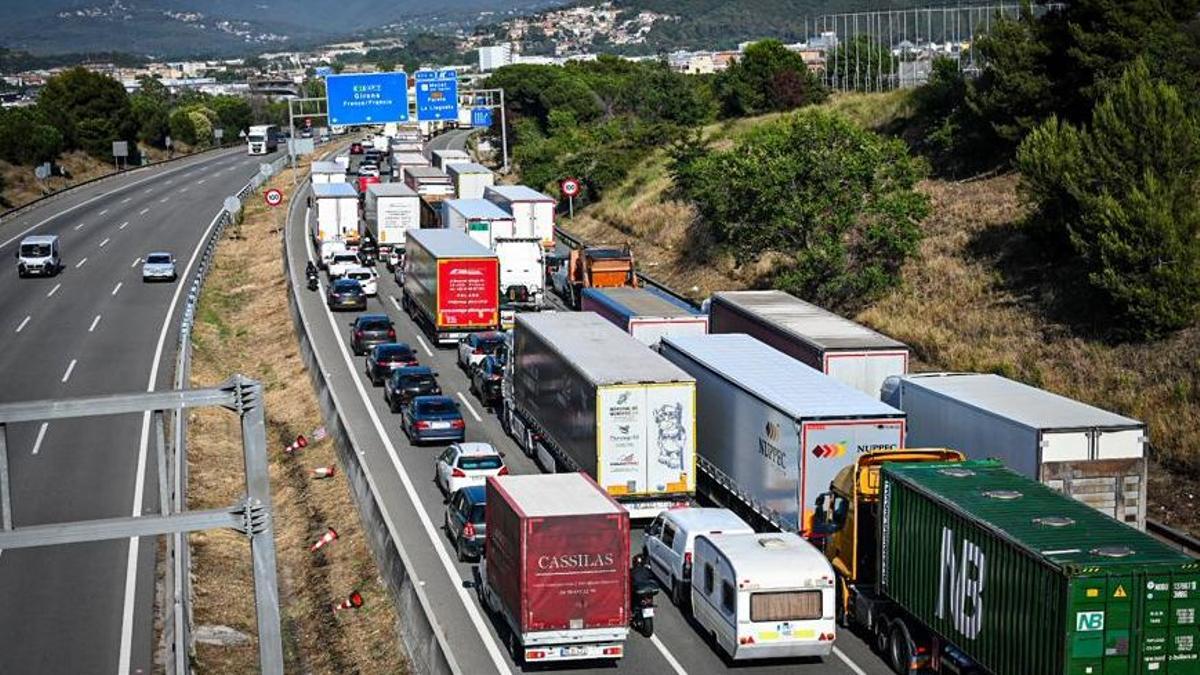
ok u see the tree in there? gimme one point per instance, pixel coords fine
(1121, 195)
(233, 114)
(862, 63)
(767, 77)
(835, 201)
(90, 110)
(26, 138)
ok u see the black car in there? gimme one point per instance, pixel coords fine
(346, 294)
(405, 383)
(485, 381)
(465, 524)
(385, 358)
(370, 330)
(368, 252)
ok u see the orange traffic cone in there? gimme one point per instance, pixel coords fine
(323, 472)
(326, 538)
(300, 442)
(352, 601)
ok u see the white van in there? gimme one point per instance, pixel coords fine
(39, 254)
(670, 542)
(763, 596)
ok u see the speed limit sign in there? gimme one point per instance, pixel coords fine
(570, 187)
(274, 197)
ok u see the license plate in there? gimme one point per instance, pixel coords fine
(647, 611)
(349, 302)
(574, 651)
(439, 425)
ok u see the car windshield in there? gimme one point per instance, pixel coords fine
(420, 381)
(35, 250)
(361, 276)
(347, 286)
(158, 260)
(345, 258)
(436, 407)
(374, 324)
(482, 463)
(393, 353)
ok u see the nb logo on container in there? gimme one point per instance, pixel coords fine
(960, 585)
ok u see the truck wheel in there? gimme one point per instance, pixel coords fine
(899, 652)
(882, 641)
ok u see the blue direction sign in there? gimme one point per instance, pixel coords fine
(369, 98)
(481, 117)
(437, 95)
(323, 71)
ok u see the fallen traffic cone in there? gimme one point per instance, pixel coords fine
(353, 601)
(324, 472)
(300, 442)
(326, 538)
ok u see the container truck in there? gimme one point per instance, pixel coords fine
(429, 182)
(328, 172)
(470, 179)
(451, 284)
(556, 568)
(522, 277)
(579, 394)
(442, 159)
(772, 431)
(532, 211)
(482, 220)
(646, 314)
(336, 210)
(836, 346)
(978, 569)
(1093, 455)
(391, 210)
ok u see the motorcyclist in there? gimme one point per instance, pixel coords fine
(310, 270)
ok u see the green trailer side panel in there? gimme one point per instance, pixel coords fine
(1026, 580)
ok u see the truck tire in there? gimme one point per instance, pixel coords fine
(882, 642)
(899, 653)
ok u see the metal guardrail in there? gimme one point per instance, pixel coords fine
(177, 623)
(1177, 538)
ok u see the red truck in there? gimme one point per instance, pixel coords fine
(556, 567)
(451, 284)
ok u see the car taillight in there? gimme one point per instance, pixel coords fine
(469, 530)
(828, 637)
(358, 333)
(392, 333)
(458, 424)
(477, 351)
(746, 640)
(458, 473)
(503, 471)
(534, 654)
(421, 424)
(612, 651)
(687, 559)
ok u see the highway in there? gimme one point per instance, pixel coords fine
(402, 474)
(95, 329)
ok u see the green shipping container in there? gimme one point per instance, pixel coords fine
(1025, 580)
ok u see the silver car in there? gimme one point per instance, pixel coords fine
(159, 267)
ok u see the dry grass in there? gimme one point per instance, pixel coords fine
(244, 326)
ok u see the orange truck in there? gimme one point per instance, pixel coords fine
(598, 267)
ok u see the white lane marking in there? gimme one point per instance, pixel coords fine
(849, 664)
(79, 264)
(117, 287)
(428, 351)
(148, 190)
(140, 483)
(95, 321)
(135, 263)
(126, 200)
(104, 212)
(143, 211)
(163, 200)
(666, 654)
(439, 545)
(470, 408)
(85, 202)
(54, 290)
(37, 443)
(183, 189)
(23, 322)
(79, 227)
(201, 181)
(70, 367)
(104, 243)
(123, 225)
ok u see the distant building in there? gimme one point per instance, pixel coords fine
(722, 60)
(495, 56)
(692, 63)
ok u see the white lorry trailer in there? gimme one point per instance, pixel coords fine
(532, 211)
(645, 313)
(470, 179)
(336, 211)
(391, 209)
(442, 159)
(328, 172)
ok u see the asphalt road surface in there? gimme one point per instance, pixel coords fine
(95, 329)
(402, 477)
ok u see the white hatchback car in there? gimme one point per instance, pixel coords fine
(464, 464)
(366, 277)
(159, 266)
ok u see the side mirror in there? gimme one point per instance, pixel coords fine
(468, 584)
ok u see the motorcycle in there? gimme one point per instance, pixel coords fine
(642, 587)
(313, 281)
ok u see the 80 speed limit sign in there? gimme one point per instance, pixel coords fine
(569, 186)
(274, 197)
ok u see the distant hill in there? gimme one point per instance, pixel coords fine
(178, 28)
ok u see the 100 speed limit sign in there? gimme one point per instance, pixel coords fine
(570, 187)
(274, 197)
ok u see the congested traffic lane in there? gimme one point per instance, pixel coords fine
(676, 646)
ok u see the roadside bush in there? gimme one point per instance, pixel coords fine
(835, 202)
(768, 77)
(26, 138)
(1120, 196)
(90, 110)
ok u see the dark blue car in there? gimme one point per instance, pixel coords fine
(465, 523)
(433, 418)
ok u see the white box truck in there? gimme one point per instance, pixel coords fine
(836, 346)
(772, 431)
(1093, 455)
(470, 179)
(328, 172)
(402, 159)
(532, 211)
(442, 159)
(579, 394)
(522, 277)
(645, 313)
(391, 209)
(336, 211)
(428, 181)
(481, 219)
